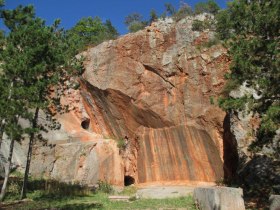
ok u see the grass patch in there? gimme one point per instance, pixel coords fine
(129, 190)
(51, 194)
(100, 201)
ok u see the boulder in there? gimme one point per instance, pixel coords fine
(219, 198)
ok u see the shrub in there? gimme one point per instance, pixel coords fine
(212, 100)
(198, 25)
(105, 187)
(121, 144)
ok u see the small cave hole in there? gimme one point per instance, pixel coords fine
(85, 124)
(128, 180)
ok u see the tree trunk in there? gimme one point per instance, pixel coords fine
(7, 170)
(29, 156)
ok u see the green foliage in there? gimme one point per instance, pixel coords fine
(121, 144)
(271, 119)
(223, 25)
(231, 84)
(129, 190)
(170, 9)
(198, 25)
(184, 10)
(13, 188)
(2, 3)
(137, 26)
(135, 22)
(89, 31)
(153, 16)
(232, 104)
(18, 17)
(45, 188)
(251, 31)
(98, 201)
(105, 187)
(212, 100)
(210, 6)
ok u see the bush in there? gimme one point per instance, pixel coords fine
(198, 25)
(105, 187)
(184, 10)
(121, 144)
(137, 26)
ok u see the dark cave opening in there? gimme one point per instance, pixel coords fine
(85, 124)
(128, 180)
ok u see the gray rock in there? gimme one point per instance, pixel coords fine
(19, 154)
(222, 198)
(274, 201)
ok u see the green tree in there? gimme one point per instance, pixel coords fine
(90, 31)
(111, 31)
(135, 22)
(210, 6)
(184, 10)
(12, 108)
(170, 9)
(35, 61)
(252, 34)
(153, 16)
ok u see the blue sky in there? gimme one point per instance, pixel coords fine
(70, 11)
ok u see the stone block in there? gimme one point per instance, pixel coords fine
(219, 198)
(274, 201)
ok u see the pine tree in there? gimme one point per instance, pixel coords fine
(170, 9)
(36, 60)
(210, 6)
(90, 31)
(153, 16)
(251, 29)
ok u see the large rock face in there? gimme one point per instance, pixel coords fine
(153, 88)
(156, 91)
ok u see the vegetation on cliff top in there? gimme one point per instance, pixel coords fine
(135, 21)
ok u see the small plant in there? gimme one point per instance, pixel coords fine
(199, 25)
(212, 100)
(121, 144)
(132, 198)
(129, 190)
(105, 187)
(220, 182)
(14, 188)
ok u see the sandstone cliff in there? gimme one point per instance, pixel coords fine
(156, 91)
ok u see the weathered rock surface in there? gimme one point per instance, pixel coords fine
(152, 89)
(258, 169)
(223, 198)
(83, 163)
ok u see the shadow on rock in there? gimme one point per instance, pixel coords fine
(260, 178)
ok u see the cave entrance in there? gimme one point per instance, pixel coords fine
(128, 180)
(85, 124)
